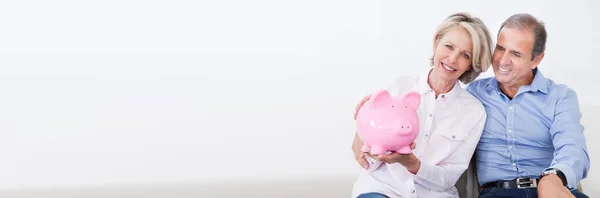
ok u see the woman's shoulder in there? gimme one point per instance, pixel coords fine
(470, 103)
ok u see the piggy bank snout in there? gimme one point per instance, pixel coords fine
(404, 125)
(400, 126)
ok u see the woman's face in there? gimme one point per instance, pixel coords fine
(453, 54)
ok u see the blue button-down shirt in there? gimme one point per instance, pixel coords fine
(537, 130)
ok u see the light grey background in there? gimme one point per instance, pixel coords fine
(101, 93)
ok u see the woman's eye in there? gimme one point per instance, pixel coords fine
(466, 56)
(449, 46)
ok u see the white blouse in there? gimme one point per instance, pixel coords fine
(451, 126)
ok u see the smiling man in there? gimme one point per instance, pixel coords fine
(533, 142)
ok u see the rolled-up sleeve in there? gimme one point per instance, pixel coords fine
(570, 155)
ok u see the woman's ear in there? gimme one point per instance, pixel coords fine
(436, 40)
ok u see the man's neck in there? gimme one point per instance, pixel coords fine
(511, 90)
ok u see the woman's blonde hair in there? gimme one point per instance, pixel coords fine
(480, 37)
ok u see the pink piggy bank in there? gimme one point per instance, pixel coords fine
(386, 123)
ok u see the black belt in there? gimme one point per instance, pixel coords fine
(516, 183)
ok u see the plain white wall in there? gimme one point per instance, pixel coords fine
(113, 92)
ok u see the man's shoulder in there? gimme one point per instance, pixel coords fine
(560, 90)
(480, 83)
(477, 87)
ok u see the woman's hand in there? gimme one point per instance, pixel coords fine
(410, 161)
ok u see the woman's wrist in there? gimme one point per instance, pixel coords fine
(413, 165)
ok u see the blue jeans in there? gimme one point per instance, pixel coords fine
(372, 195)
(518, 193)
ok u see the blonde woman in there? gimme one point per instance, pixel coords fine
(452, 120)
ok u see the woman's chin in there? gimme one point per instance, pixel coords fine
(447, 75)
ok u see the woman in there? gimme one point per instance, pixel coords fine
(451, 119)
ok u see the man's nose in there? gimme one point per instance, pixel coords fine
(504, 60)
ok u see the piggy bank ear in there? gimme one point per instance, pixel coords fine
(411, 99)
(380, 98)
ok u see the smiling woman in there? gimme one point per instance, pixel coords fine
(451, 119)
(469, 41)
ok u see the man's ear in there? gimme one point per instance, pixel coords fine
(537, 60)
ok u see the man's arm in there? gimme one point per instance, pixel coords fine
(570, 155)
(357, 151)
(364, 159)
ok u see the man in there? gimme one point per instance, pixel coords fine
(533, 142)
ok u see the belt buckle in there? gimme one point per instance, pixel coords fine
(526, 183)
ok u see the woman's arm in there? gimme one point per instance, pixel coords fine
(444, 175)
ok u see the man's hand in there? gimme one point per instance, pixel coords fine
(551, 186)
(365, 99)
(359, 155)
(357, 143)
(410, 161)
(362, 160)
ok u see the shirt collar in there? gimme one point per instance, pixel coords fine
(539, 83)
(423, 87)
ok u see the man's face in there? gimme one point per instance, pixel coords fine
(512, 57)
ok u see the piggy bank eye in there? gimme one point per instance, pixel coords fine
(406, 107)
(392, 106)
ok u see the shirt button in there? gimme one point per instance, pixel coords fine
(453, 137)
(430, 115)
(509, 130)
(426, 135)
(514, 164)
(443, 96)
(510, 147)
(510, 107)
(413, 191)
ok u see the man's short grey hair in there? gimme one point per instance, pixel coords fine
(480, 37)
(522, 21)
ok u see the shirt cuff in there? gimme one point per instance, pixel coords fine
(568, 172)
(424, 170)
(373, 163)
